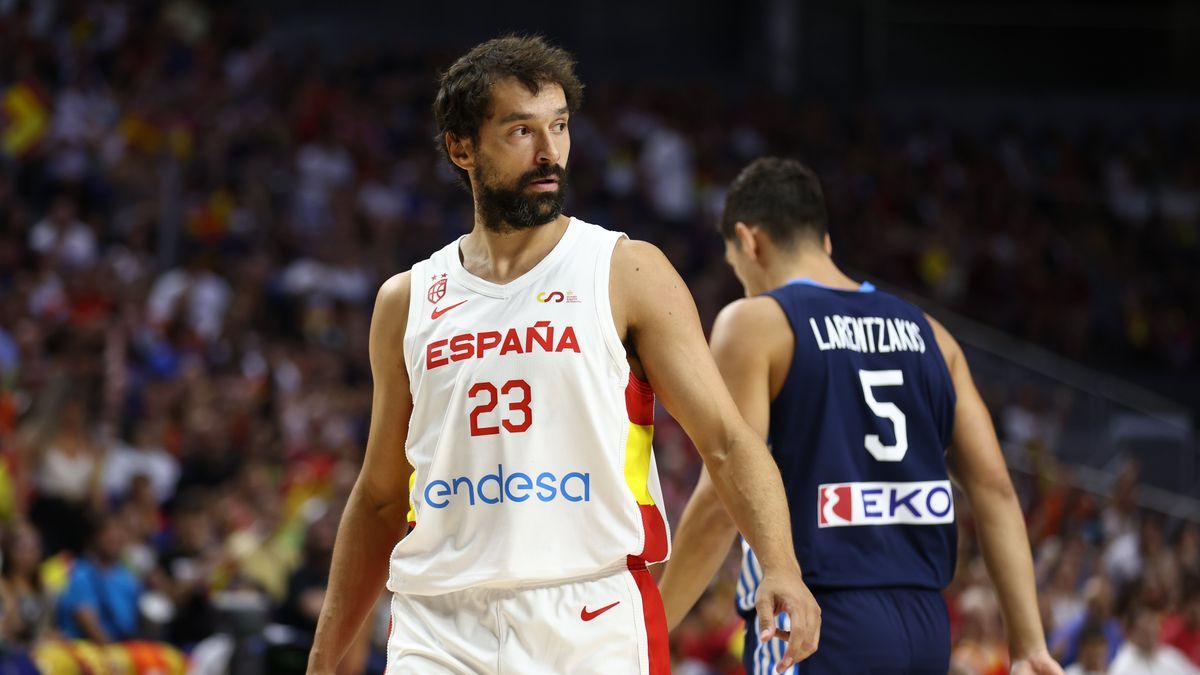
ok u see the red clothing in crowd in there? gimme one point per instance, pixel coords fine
(1177, 633)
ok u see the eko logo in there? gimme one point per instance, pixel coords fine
(556, 296)
(518, 486)
(918, 503)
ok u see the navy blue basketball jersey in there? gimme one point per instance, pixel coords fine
(859, 431)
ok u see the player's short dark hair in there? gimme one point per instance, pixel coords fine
(464, 94)
(781, 196)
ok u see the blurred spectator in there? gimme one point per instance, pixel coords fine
(144, 456)
(324, 167)
(1098, 611)
(306, 592)
(1143, 653)
(1120, 518)
(1093, 652)
(1181, 628)
(100, 601)
(186, 568)
(1062, 594)
(143, 524)
(194, 294)
(25, 607)
(62, 238)
(208, 460)
(306, 587)
(1188, 550)
(981, 648)
(711, 635)
(68, 479)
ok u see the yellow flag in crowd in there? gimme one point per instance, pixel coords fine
(24, 119)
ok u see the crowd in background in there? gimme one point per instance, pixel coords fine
(194, 221)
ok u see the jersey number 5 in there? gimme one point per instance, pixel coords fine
(884, 378)
(520, 415)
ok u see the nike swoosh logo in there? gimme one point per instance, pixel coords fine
(588, 616)
(438, 312)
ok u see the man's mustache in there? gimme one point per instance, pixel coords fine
(545, 171)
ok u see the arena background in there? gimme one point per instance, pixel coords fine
(199, 200)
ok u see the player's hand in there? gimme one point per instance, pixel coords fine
(786, 592)
(1039, 663)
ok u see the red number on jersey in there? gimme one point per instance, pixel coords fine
(492, 396)
(489, 406)
(521, 406)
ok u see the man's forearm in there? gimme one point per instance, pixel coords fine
(366, 536)
(701, 542)
(1003, 541)
(748, 482)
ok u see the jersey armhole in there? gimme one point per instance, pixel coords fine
(604, 314)
(787, 317)
(414, 323)
(947, 427)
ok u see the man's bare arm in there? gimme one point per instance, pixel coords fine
(375, 515)
(742, 346)
(977, 466)
(662, 323)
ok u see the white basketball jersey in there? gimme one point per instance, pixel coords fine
(529, 437)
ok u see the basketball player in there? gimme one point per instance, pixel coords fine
(861, 395)
(515, 373)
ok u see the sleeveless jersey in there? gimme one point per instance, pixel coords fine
(529, 437)
(859, 431)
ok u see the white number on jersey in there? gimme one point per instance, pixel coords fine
(885, 378)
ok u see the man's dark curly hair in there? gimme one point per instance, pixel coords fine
(464, 95)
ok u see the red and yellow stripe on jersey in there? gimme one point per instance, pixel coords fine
(639, 402)
(412, 509)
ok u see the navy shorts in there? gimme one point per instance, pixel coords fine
(891, 630)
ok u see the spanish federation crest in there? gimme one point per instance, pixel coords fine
(437, 290)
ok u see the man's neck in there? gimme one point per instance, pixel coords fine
(502, 257)
(810, 264)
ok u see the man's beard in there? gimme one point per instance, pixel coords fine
(504, 210)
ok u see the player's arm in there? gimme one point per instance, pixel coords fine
(977, 466)
(375, 515)
(660, 317)
(741, 344)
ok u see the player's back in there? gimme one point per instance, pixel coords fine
(859, 430)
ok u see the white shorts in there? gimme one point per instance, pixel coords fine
(612, 624)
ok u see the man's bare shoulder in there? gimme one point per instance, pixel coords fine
(752, 321)
(951, 351)
(643, 284)
(641, 259)
(756, 313)
(394, 292)
(390, 317)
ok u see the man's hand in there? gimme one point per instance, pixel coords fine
(1036, 664)
(786, 592)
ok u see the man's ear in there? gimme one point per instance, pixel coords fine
(746, 240)
(461, 151)
(828, 244)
